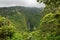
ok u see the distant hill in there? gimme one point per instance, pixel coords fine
(20, 16)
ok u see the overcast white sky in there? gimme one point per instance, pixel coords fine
(27, 3)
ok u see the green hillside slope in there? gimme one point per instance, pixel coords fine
(22, 16)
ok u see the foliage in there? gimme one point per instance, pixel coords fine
(50, 26)
(51, 5)
(6, 29)
(50, 23)
(51, 2)
(21, 36)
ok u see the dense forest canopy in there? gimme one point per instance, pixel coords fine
(31, 23)
(49, 25)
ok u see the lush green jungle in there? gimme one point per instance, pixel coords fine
(31, 23)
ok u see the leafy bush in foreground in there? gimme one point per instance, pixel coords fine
(50, 26)
(6, 29)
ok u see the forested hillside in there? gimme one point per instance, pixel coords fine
(22, 16)
(31, 23)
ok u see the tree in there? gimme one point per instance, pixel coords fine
(50, 26)
(7, 30)
(51, 5)
(55, 3)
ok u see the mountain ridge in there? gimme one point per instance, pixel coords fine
(20, 16)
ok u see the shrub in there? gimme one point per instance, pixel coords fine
(50, 26)
(6, 29)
